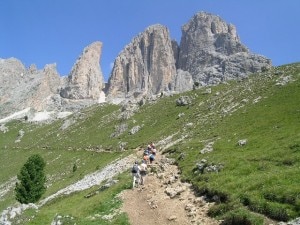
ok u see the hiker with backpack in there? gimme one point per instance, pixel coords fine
(135, 171)
(151, 158)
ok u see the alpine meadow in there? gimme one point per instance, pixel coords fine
(237, 143)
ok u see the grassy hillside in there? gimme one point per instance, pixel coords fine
(261, 176)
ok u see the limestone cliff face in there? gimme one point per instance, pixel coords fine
(45, 90)
(145, 66)
(21, 88)
(86, 79)
(48, 86)
(12, 76)
(211, 51)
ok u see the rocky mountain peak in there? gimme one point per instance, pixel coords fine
(145, 66)
(52, 78)
(211, 51)
(207, 24)
(85, 80)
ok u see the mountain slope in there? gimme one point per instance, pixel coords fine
(259, 175)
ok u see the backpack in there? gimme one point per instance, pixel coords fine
(143, 167)
(146, 152)
(152, 157)
(135, 168)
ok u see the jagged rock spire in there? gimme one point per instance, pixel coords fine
(86, 79)
(145, 66)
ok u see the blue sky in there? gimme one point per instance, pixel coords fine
(56, 31)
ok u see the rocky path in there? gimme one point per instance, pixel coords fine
(164, 199)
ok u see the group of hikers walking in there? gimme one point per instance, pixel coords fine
(139, 170)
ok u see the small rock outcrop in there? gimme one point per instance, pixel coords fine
(145, 66)
(86, 79)
(211, 51)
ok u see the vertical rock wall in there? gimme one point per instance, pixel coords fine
(145, 66)
(86, 79)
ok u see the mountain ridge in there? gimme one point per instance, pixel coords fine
(152, 64)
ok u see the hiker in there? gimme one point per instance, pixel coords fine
(143, 171)
(146, 151)
(153, 151)
(149, 147)
(152, 145)
(135, 174)
(146, 156)
(151, 158)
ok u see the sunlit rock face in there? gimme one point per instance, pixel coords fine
(211, 51)
(85, 80)
(145, 66)
(22, 87)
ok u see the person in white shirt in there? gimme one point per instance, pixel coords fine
(143, 171)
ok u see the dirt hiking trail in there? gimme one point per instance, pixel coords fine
(164, 199)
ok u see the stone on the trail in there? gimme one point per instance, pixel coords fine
(153, 204)
(160, 176)
(173, 217)
(172, 192)
(189, 207)
(199, 201)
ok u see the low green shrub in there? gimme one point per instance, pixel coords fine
(220, 209)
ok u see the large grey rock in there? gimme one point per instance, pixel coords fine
(86, 79)
(146, 66)
(211, 51)
(183, 81)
